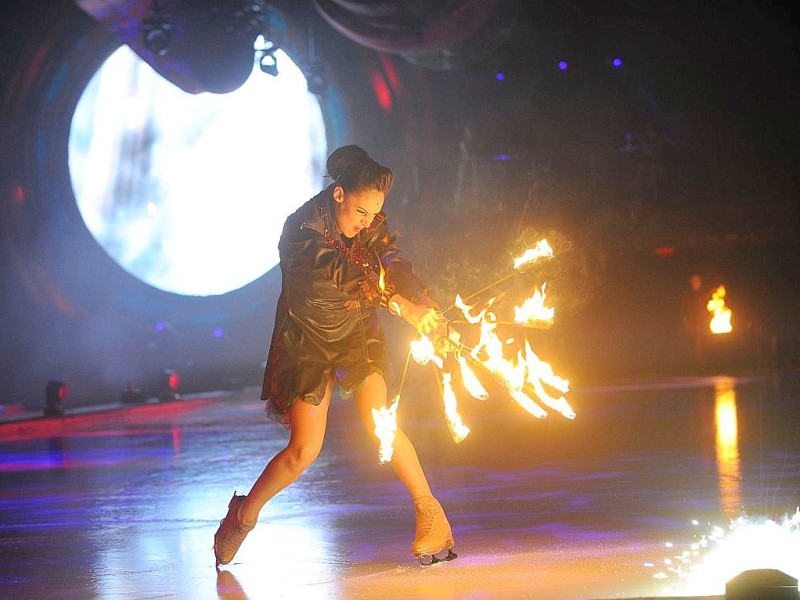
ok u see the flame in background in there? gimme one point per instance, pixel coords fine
(533, 312)
(385, 419)
(721, 314)
(707, 563)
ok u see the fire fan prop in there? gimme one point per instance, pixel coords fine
(527, 379)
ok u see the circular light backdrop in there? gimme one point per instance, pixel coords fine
(187, 192)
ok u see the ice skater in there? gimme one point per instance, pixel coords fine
(332, 253)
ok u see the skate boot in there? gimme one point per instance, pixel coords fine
(433, 535)
(231, 532)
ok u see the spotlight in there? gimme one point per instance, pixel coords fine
(157, 31)
(55, 395)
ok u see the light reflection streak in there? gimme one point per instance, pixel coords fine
(727, 445)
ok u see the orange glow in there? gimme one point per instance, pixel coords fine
(533, 312)
(538, 252)
(721, 314)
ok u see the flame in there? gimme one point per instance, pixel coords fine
(422, 350)
(528, 404)
(531, 255)
(471, 382)
(540, 372)
(457, 428)
(382, 280)
(533, 312)
(524, 376)
(721, 314)
(526, 373)
(465, 309)
(385, 419)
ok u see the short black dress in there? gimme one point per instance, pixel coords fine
(326, 319)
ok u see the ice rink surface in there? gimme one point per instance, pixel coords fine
(619, 503)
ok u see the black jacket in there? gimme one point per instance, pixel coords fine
(326, 318)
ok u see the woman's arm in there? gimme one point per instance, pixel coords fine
(424, 319)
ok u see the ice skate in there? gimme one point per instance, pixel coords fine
(433, 536)
(231, 532)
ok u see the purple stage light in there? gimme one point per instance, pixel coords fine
(160, 326)
(562, 65)
(218, 332)
(500, 76)
(616, 63)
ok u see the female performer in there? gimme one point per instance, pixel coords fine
(339, 265)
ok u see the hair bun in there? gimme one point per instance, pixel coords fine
(343, 158)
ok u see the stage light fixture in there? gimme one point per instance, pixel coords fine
(157, 31)
(766, 584)
(55, 395)
(169, 385)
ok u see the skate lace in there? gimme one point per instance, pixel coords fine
(426, 513)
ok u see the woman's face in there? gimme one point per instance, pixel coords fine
(356, 210)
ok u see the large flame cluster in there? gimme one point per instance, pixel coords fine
(527, 379)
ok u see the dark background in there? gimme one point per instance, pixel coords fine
(681, 161)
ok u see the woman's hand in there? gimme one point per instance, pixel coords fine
(423, 318)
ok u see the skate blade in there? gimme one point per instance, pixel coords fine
(428, 560)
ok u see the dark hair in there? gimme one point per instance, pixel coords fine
(353, 169)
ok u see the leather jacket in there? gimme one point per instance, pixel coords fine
(326, 318)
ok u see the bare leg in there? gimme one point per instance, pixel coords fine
(305, 442)
(405, 463)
